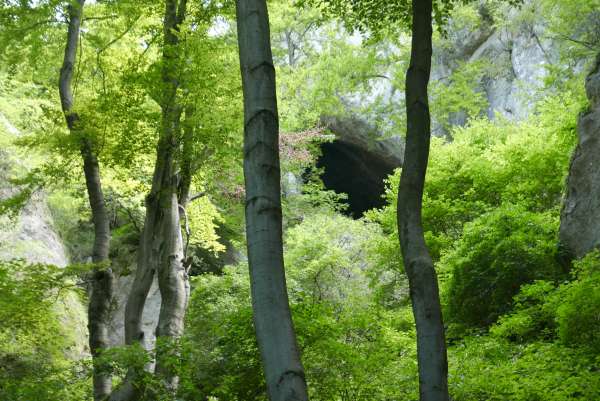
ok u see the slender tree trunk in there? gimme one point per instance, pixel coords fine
(101, 278)
(272, 318)
(187, 167)
(424, 292)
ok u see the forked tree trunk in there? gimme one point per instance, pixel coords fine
(161, 244)
(172, 275)
(101, 277)
(272, 318)
(424, 292)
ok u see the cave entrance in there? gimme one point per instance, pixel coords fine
(357, 172)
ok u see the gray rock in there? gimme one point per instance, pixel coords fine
(31, 236)
(290, 184)
(358, 132)
(580, 218)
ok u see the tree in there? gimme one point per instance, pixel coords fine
(418, 264)
(102, 277)
(161, 244)
(272, 318)
(422, 278)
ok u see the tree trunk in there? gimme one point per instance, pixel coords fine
(187, 165)
(424, 292)
(101, 277)
(272, 318)
(172, 276)
(161, 244)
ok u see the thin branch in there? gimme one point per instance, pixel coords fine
(119, 36)
(130, 215)
(588, 45)
(101, 18)
(196, 196)
(39, 23)
(539, 43)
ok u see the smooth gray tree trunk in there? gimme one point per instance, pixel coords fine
(161, 244)
(424, 292)
(272, 318)
(101, 276)
(172, 276)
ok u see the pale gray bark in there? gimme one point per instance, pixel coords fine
(172, 276)
(424, 292)
(161, 244)
(101, 277)
(272, 318)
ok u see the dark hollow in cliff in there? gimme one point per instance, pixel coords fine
(357, 172)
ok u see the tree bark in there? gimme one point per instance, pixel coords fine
(424, 292)
(161, 244)
(272, 318)
(187, 167)
(101, 277)
(172, 276)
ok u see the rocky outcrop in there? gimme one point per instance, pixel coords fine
(580, 217)
(31, 236)
(523, 58)
(515, 59)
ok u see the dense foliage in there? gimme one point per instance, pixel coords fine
(522, 320)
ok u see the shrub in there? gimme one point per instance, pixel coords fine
(497, 254)
(533, 316)
(490, 369)
(578, 305)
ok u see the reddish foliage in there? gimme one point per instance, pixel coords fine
(293, 146)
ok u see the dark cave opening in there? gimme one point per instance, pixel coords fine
(357, 172)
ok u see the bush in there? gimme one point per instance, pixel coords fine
(569, 312)
(533, 316)
(497, 254)
(352, 347)
(37, 337)
(578, 305)
(490, 369)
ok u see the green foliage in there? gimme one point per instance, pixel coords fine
(496, 254)
(379, 16)
(487, 368)
(225, 352)
(574, 24)
(457, 98)
(490, 163)
(532, 316)
(35, 341)
(578, 305)
(347, 338)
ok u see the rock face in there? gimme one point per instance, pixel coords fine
(515, 60)
(31, 236)
(580, 217)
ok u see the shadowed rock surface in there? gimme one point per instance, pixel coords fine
(580, 217)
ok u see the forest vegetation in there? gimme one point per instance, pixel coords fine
(284, 200)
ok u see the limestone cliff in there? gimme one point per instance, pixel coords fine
(580, 218)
